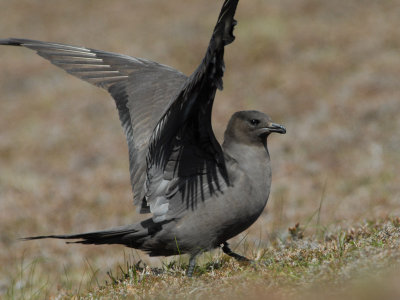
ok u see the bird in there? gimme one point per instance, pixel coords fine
(197, 193)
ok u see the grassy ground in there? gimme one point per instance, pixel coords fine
(344, 262)
(356, 263)
(328, 70)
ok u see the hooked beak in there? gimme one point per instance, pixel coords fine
(272, 127)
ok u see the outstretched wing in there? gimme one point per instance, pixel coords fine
(184, 156)
(143, 90)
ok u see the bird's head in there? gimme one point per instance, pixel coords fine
(251, 127)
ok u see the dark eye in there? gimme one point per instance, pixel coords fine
(254, 122)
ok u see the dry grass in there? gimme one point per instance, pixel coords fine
(328, 70)
(291, 267)
(355, 263)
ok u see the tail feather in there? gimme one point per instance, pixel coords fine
(131, 236)
(10, 42)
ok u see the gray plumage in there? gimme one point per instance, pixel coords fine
(200, 194)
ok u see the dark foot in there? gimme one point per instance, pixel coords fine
(192, 265)
(236, 256)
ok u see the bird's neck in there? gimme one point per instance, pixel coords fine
(253, 159)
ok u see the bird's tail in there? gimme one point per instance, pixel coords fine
(131, 235)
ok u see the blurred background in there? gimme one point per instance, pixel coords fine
(328, 70)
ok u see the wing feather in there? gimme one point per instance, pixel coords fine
(183, 148)
(142, 91)
(175, 159)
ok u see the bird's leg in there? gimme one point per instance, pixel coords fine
(236, 256)
(192, 265)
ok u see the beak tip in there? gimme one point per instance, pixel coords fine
(277, 128)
